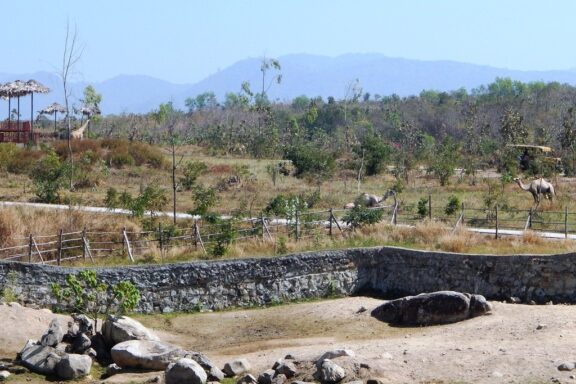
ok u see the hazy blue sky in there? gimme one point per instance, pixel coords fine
(185, 41)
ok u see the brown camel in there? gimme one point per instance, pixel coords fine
(538, 187)
(371, 201)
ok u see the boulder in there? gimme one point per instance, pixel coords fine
(247, 379)
(214, 373)
(117, 329)
(53, 335)
(236, 367)
(73, 366)
(4, 375)
(266, 376)
(335, 353)
(81, 343)
(279, 379)
(111, 370)
(286, 368)
(432, 308)
(185, 370)
(85, 325)
(146, 354)
(330, 372)
(40, 358)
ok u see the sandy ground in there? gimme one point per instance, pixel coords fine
(515, 344)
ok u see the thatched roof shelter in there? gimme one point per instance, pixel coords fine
(53, 108)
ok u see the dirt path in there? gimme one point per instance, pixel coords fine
(516, 344)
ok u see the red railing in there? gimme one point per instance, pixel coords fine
(14, 132)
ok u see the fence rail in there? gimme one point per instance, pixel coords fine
(85, 244)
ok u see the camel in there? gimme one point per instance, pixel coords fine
(79, 132)
(538, 187)
(371, 201)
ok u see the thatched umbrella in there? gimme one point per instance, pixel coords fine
(32, 86)
(15, 89)
(53, 108)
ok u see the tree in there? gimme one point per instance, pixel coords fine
(567, 140)
(48, 176)
(204, 101)
(85, 293)
(375, 153)
(71, 56)
(192, 170)
(512, 129)
(445, 160)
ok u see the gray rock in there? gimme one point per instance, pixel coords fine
(336, 353)
(73, 366)
(185, 370)
(279, 379)
(266, 376)
(374, 381)
(4, 375)
(81, 343)
(214, 373)
(117, 329)
(432, 308)
(247, 379)
(40, 358)
(567, 367)
(73, 330)
(287, 368)
(236, 367)
(112, 369)
(85, 325)
(330, 372)
(146, 354)
(54, 334)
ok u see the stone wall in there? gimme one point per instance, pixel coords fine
(390, 272)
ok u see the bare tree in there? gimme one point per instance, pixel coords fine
(70, 58)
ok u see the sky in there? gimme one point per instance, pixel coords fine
(184, 41)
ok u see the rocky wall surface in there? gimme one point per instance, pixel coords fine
(390, 272)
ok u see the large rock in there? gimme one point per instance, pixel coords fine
(85, 325)
(214, 373)
(73, 366)
(330, 372)
(146, 354)
(40, 358)
(236, 367)
(185, 371)
(117, 329)
(54, 334)
(432, 308)
(81, 343)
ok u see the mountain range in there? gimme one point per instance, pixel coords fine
(302, 74)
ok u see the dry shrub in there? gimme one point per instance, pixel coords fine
(79, 147)
(220, 169)
(532, 238)
(124, 153)
(23, 161)
(8, 227)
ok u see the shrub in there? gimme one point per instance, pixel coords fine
(48, 176)
(204, 199)
(192, 170)
(86, 294)
(311, 161)
(23, 161)
(453, 205)
(423, 207)
(360, 215)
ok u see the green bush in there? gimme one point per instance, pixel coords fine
(422, 207)
(453, 205)
(48, 176)
(309, 160)
(360, 215)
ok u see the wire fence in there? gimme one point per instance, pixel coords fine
(203, 235)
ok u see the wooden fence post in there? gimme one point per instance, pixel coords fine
(59, 255)
(297, 225)
(330, 225)
(496, 232)
(528, 220)
(160, 241)
(430, 207)
(462, 222)
(30, 244)
(127, 242)
(84, 244)
(566, 222)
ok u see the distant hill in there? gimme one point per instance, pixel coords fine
(309, 75)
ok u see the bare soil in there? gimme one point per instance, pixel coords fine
(514, 344)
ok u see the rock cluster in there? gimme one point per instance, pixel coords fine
(69, 355)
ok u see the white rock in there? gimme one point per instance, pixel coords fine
(73, 366)
(236, 367)
(4, 375)
(330, 372)
(337, 353)
(117, 329)
(147, 354)
(40, 358)
(185, 371)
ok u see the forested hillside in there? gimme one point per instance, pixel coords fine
(440, 130)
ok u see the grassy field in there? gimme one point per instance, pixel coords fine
(256, 189)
